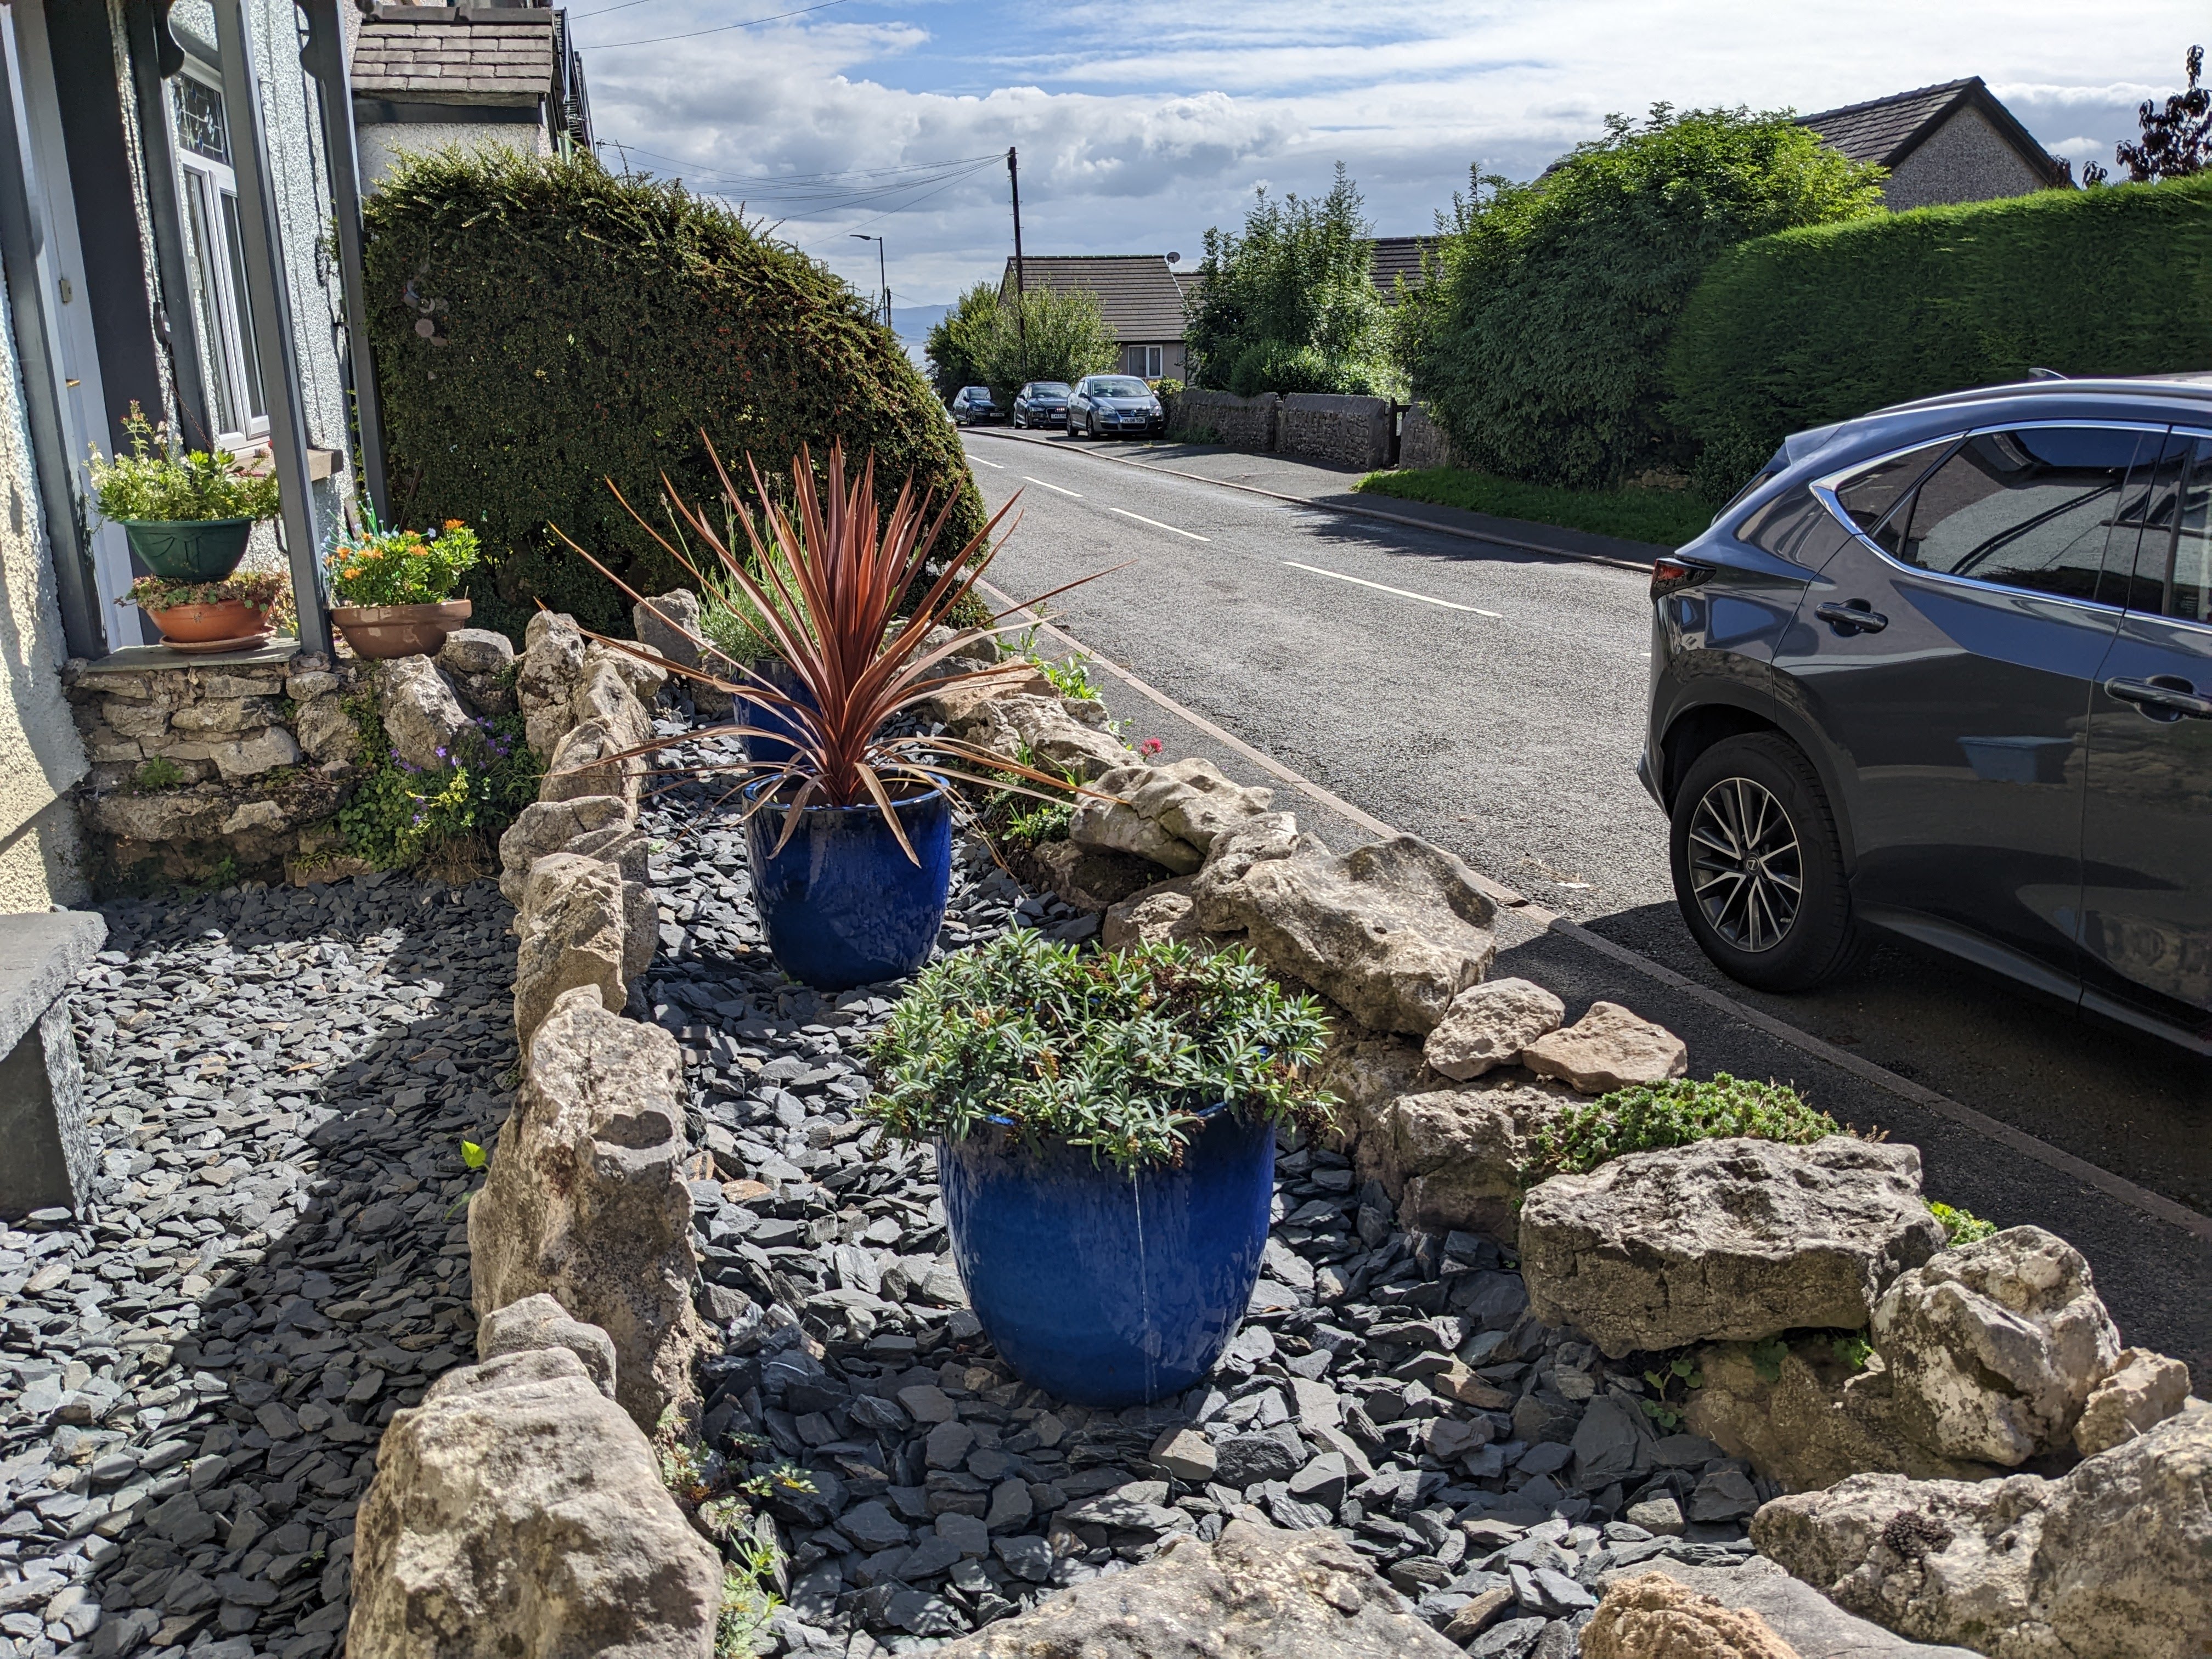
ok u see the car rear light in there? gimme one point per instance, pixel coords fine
(1670, 574)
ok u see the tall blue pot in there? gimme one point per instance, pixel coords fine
(1103, 1288)
(772, 750)
(842, 903)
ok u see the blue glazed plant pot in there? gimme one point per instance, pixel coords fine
(1103, 1288)
(772, 751)
(842, 903)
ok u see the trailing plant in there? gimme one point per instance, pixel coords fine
(402, 566)
(263, 591)
(542, 325)
(156, 482)
(1961, 1226)
(1118, 1052)
(401, 816)
(1672, 1114)
(849, 600)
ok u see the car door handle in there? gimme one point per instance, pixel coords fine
(2176, 699)
(1853, 618)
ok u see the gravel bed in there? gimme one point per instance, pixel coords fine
(193, 1379)
(948, 1494)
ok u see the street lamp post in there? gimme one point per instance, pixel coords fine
(882, 277)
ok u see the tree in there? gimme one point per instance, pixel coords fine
(951, 359)
(1059, 334)
(1540, 339)
(1289, 299)
(2176, 140)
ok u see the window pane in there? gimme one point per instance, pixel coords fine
(1869, 496)
(235, 239)
(2143, 529)
(207, 301)
(2030, 508)
(2181, 566)
(200, 124)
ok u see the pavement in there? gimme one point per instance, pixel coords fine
(1491, 698)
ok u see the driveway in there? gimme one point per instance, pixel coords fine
(1492, 700)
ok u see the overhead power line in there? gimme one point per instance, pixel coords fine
(719, 28)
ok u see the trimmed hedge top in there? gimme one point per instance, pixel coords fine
(541, 326)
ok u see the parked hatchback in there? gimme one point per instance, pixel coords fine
(1946, 671)
(972, 405)
(1042, 403)
(1108, 404)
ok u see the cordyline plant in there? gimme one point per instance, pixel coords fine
(829, 581)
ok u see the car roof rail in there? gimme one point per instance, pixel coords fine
(2047, 375)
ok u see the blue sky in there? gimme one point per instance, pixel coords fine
(1142, 122)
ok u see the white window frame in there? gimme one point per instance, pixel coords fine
(1142, 361)
(207, 204)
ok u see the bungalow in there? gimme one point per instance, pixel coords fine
(1954, 143)
(1141, 295)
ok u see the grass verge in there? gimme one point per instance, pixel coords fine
(1668, 517)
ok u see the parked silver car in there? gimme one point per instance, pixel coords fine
(1110, 405)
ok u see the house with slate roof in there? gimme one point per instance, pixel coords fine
(1954, 143)
(1140, 294)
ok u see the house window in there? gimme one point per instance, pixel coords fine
(208, 190)
(1141, 360)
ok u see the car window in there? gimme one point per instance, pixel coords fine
(1781, 526)
(2030, 508)
(1050, 388)
(1869, 497)
(1119, 385)
(2173, 557)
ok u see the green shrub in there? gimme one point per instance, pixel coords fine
(541, 327)
(1961, 1226)
(1056, 334)
(402, 817)
(1539, 343)
(1819, 325)
(1672, 1114)
(1668, 517)
(949, 346)
(1279, 366)
(1115, 1051)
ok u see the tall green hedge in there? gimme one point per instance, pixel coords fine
(541, 326)
(1822, 324)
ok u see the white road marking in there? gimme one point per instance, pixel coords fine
(1041, 484)
(1157, 524)
(1339, 575)
(995, 465)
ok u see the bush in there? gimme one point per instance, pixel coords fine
(1820, 325)
(152, 483)
(948, 344)
(449, 818)
(1278, 366)
(541, 327)
(1674, 1113)
(1115, 1051)
(1540, 341)
(1056, 334)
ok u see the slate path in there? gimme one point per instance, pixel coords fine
(192, 1381)
(1392, 1386)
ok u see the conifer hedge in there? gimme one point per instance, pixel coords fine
(1828, 322)
(541, 326)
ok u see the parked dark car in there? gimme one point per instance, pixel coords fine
(1114, 404)
(1042, 403)
(972, 405)
(1946, 670)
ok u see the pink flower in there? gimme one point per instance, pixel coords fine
(1150, 747)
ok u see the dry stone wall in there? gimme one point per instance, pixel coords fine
(1422, 443)
(1354, 432)
(1219, 418)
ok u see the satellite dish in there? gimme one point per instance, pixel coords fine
(1175, 259)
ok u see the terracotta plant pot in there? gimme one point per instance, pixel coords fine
(202, 624)
(398, 630)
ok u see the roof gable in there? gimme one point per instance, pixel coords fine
(1139, 292)
(1885, 130)
(455, 54)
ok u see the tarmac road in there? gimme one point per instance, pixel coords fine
(1492, 700)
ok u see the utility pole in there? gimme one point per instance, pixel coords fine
(883, 279)
(1021, 315)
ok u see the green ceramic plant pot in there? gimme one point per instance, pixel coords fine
(192, 550)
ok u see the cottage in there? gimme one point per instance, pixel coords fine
(1954, 143)
(1142, 295)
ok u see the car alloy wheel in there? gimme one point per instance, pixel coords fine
(1746, 867)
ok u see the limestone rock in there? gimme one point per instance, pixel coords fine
(516, 1511)
(637, 666)
(1452, 1158)
(1090, 878)
(1230, 859)
(960, 701)
(1732, 1240)
(540, 1321)
(1365, 1070)
(421, 716)
(1489, 1024)
(1255, 1593)
(475, 650)
(586, 1198)
(1813, 1422)
(549, 826)
(1653, 1617)
(325, 731)
(1171, 815)
(608, 694)
(669, 623)
(590, 759)
(2144, 1389)
(574, 920)
(1392, 931)
(1608, 1047)
(1164, 911)
(1056, 737)
(552, 665)
(2113, 1561)
(1811, 1625)
(1995, 1346)
(250, 757)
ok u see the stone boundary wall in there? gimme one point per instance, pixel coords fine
(1423, 444)
(1219, 417)
(1355, 432)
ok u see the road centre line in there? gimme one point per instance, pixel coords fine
(1041, 484)
(2141, 1199)
(1338, 575)
(995, 466)
(1155, 522)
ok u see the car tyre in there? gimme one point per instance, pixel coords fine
(1758, 866)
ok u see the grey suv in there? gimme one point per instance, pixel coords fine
(1946, 671)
